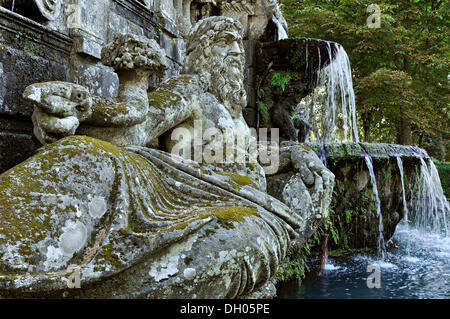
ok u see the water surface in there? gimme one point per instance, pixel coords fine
(418, 268)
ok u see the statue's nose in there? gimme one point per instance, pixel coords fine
(235, 49)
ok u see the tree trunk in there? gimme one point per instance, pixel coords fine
(323, 256)
(404, 131)
(404, 125)
(367, 119)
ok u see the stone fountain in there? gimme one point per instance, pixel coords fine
(107, 208)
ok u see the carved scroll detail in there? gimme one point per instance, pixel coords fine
(50, 9)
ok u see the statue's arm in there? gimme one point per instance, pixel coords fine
(109, 112)
(173, 102)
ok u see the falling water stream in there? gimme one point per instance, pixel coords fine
(281, 35)
(417, 264)
(380, 244)
(331, 106)
(431, 208)
(405, 205)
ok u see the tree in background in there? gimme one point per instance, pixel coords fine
(401, 70)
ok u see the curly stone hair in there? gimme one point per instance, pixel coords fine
(132, 52)
(202, 36)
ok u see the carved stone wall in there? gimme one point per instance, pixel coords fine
(47, 40)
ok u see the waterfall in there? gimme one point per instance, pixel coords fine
(332, 104)
(381, 246)
(430, 208)
(405, 204)
(281, 32)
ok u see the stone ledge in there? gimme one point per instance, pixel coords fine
(18, 25)
(139, 10)
(377, 150)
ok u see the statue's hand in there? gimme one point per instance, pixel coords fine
(316, 177)
(60, 107)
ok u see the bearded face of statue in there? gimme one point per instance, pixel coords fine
(215, 53)
(227, 71)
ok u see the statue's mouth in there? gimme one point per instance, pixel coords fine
(233, 62)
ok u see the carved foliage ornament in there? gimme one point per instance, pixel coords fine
(50, 9)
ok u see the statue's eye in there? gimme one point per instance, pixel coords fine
(222, 42)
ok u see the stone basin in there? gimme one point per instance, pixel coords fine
(354, 208)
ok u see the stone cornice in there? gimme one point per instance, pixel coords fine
(138, 9)
(14, 23)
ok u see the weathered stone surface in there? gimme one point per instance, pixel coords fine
(307, 189)
(138, 222)
(215, 48)
(352, 150)
(62, 106)
(15, 148)
(81, 28)
(96, 230)
(155, 225)
(29, 53)
(354, 202)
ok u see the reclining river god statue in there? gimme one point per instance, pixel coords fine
(138, 222)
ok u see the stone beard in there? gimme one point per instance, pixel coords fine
(228, 84)
(216, 54)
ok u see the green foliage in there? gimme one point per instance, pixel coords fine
(157, 31)
(292, 268)
(295, 266)
(444, 174)
(386, 173)
(400, 69)
(261, 94)
(263, 110)
(281, 80)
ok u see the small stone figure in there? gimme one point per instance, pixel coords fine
(293, 127)
(303, 129)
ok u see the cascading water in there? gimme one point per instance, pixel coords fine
(400, 168)
(416, 264)
(429, 207)
(331, 106)
(415, 267)
(381, 246)
(405, 204)
(281, 35)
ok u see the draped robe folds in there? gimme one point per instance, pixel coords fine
(136, 223)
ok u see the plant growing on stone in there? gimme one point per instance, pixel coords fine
(281, 80)
(263, 108)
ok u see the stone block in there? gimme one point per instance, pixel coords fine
(15, 148)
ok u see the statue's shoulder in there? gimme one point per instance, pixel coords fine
(182, 84)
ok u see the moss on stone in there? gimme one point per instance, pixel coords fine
(239, 180)
(162, 99)
(110, 256)
(172, 83)
(226, 216)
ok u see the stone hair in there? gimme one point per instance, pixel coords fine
(203, 35)
(129, 52)
(209, 28)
